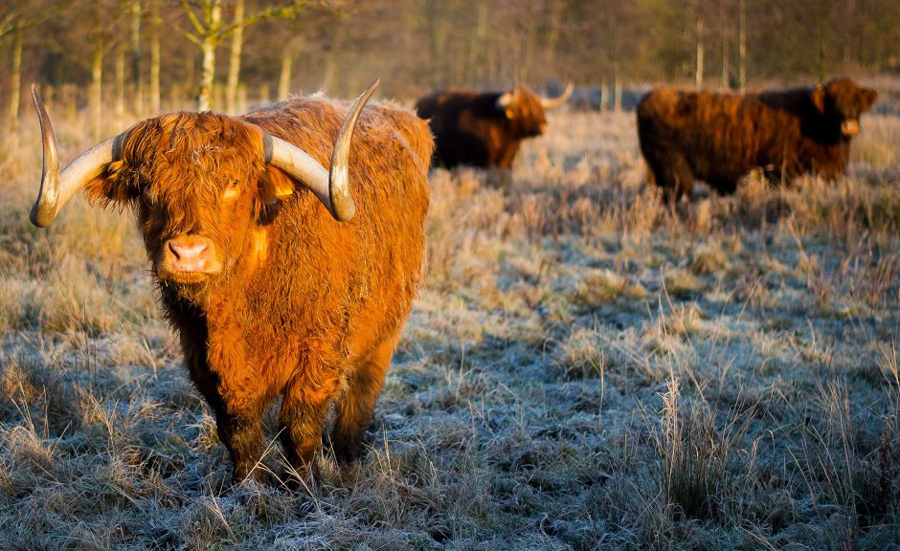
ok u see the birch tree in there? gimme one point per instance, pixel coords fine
(234, 62)
(208, 32)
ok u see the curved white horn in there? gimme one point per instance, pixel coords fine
(506, 99)
(58, 187)
(332, 187)
(561, 100)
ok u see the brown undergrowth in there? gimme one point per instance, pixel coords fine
(585, 368)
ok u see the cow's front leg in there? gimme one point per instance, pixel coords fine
(242, 435)
(302, 418)
(238, 402)
(237, 423)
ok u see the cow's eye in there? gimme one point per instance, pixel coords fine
(147, 197)
(232, 189)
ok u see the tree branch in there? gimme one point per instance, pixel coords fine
(201, 30)
(274, 12)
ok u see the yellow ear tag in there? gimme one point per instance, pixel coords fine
(282, 191)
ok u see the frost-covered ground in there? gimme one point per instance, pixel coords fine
(584, 369)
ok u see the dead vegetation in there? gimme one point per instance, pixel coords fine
(584, 369)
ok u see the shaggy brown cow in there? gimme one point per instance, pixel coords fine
(484, 129)
(719, 137)
(274, 290)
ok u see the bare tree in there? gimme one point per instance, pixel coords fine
(100, 44)
(209, 32)
(725, 83)
(742, 46)
(207, 35)
(432, 43)
(120, 87)
(234, 61)
(136, 56)
(284, 77)
(155, 23)
(15, 22)
(16, 80)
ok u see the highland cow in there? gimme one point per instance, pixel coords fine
(282, 277)
(720, 137)
(484, 130)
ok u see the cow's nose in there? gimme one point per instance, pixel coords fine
(850, 127)
(186, 252)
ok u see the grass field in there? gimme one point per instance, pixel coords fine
(584, 369)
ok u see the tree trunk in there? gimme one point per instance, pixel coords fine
(617, 105)
(527, 45)
(49, 96)
(822, 35)
(329, 80)
(190, 70)
(136, 57)
(479, 59)
(120, 88)
(698, 76)
(154, 57)
(431, 22)
(554, 32)
(67, 91)
(96, 89)
(234, 62)
(604, 95)
(284, 79)
(16, 80)
(725, 68)
(213, 16)
(742, 47)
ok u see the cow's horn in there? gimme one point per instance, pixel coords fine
(331, 187)
(506, 99)
(561, 100)
(58, 187)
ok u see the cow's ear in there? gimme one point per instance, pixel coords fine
(274, 185)
(123, 179)
(818, 98)
(114, 185)
(868, 97)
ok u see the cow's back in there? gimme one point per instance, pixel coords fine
(371, 265)
(721, 136)
(467, 127)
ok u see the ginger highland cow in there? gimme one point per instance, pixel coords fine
(287, 266)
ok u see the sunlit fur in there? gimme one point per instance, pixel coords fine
(719, 137)
(303, 307)
(471, 129)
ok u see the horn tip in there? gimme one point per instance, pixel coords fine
(372, 87)
(38, 218)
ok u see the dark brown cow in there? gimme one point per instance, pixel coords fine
(484, 129)
(719, 137)
(283, 278)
